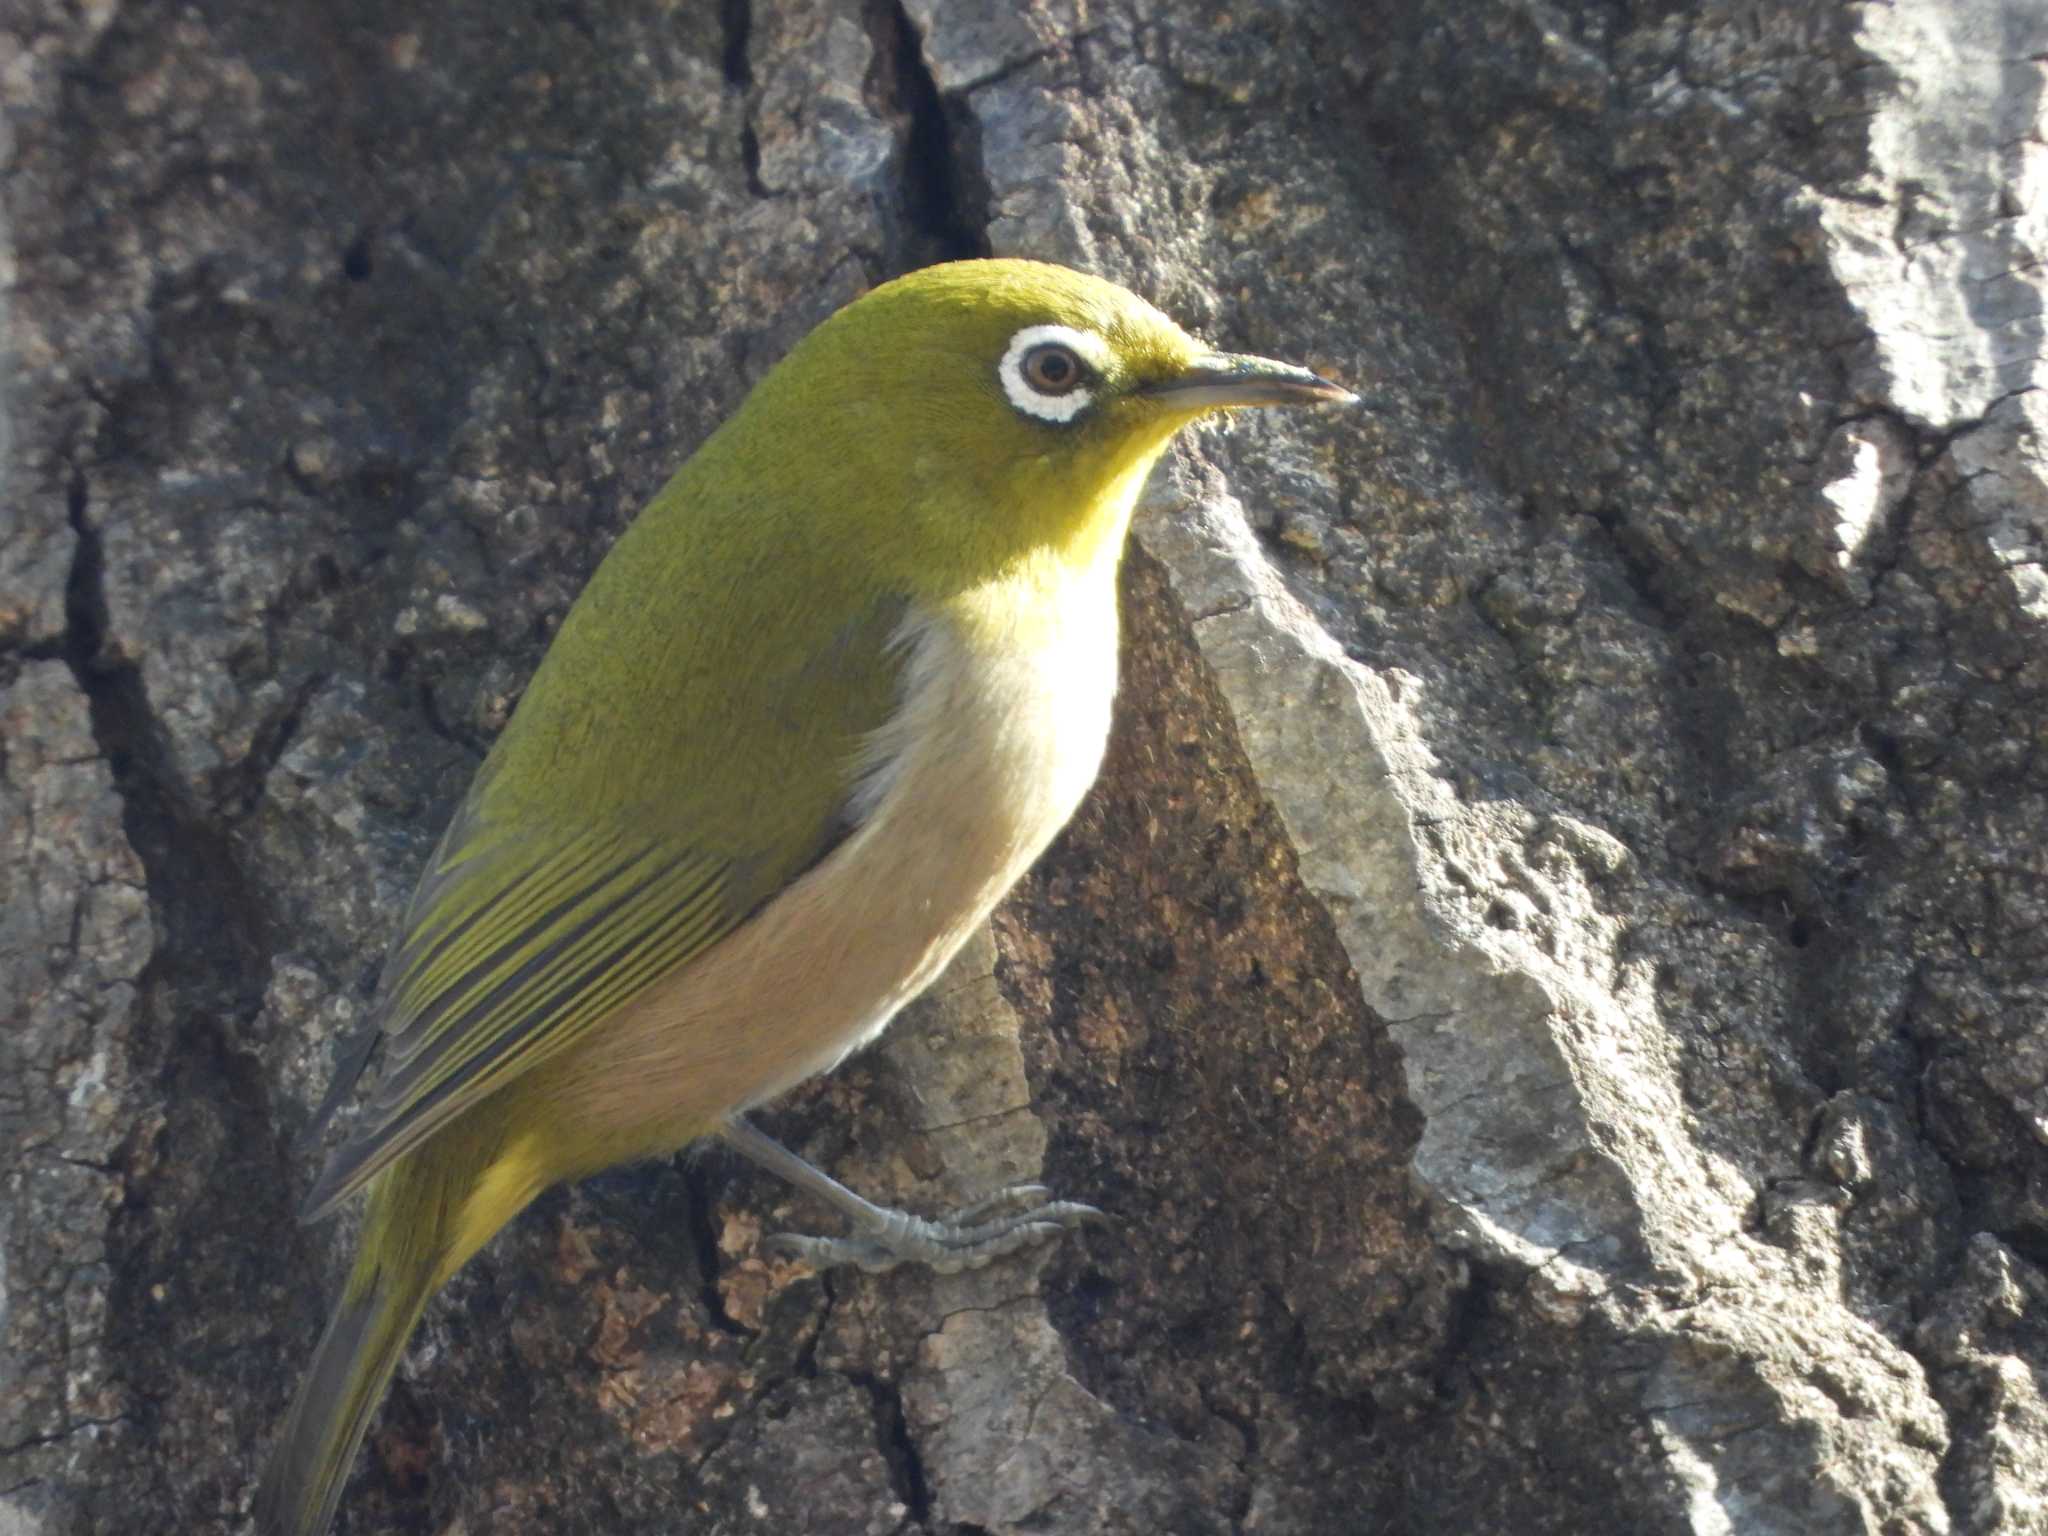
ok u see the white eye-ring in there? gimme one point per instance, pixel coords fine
(1047, 368)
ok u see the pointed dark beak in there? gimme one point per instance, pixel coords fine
(1224, 380)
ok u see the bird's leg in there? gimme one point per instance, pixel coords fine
(882, 1238)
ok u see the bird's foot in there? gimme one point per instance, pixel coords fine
(1011, 1219)
(974, 1235)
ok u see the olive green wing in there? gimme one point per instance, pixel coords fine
(533, 924)
(514, 953)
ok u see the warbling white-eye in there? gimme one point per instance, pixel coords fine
(824, 702)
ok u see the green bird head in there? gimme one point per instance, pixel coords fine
(972, 437)
(987, 412)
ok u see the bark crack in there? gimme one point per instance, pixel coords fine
(939, 197)
(899, 1450)
(736, 21)
(198, 892)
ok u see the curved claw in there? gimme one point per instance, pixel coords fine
(1016, 1197)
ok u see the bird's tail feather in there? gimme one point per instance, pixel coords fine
(328, 1419)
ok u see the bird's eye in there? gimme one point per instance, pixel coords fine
(1049, 371)
(1052, 369)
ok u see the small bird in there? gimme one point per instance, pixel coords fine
(825, 701)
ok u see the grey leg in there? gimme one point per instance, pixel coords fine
(881, 1239)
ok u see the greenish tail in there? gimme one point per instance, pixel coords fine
(353, 1365)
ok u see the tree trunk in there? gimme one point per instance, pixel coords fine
(1552, 983)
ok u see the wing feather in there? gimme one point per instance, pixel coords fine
(532, 925)
(461, 1024)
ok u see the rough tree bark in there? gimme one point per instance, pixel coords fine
(1552, 983)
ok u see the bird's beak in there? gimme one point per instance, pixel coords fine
(1223, 380)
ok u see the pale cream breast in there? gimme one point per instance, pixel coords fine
(1000, 733)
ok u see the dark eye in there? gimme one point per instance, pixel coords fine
(1049, 372)
(1053, 369)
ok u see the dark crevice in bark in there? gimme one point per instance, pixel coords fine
(1470, 1314)
(704, 1238)
(199, 1160)
(892, 1431)
(736, 17)
(940, 198)
(1238, 1505)
(207, 920)
(736, 21)
(268, 746)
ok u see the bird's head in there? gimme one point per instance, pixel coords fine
(983, 412)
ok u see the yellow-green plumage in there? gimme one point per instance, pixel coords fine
(822, 704)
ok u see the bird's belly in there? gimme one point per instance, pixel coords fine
(984, 764)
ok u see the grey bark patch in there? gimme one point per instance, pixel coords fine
(1550, 987)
